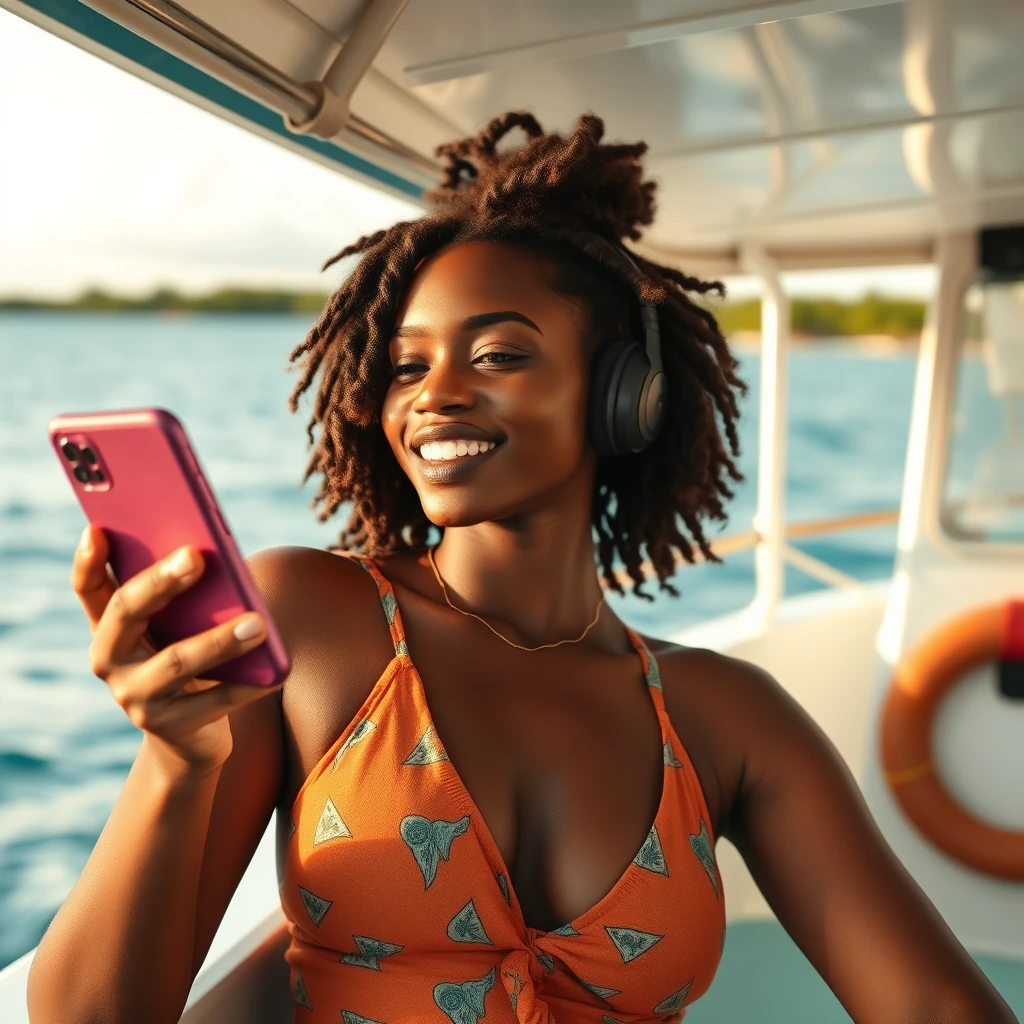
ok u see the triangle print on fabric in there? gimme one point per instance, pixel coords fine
(387, 599)
(517, 986)
(360, 732)
(651, 856)
(428, 750)
(565, 929)
(670, 759)
(371, 952)
(503, 886)
(299, 994)
(429, 841)
(316, 906)
(653, 672)
(601, 993)
(466, 926)
(674, 1001)
(348, 1017)
(701, 845)
(464, 1003)
(330, 826)
(631, 942)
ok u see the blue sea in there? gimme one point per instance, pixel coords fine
(65, 746)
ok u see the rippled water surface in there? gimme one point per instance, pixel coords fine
(65, 747)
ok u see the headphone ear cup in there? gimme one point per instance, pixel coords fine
(605, 378)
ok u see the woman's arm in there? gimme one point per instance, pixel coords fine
(834, 883)
(122, 947)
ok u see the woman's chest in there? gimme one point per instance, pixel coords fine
(563, 757)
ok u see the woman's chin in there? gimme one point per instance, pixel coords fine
(448, 514)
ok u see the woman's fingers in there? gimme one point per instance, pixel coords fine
(89, 577)
(127, 613)
(164, 692)
(200, 709)
(179, 667)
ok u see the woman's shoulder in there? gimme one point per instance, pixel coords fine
(315, 592)
(701, 665)
(721, 703)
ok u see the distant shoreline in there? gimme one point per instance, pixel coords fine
(868, 344)
(168, 302)
(877, 323)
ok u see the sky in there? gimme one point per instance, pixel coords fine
(106, 181)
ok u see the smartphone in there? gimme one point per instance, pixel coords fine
(137, 477)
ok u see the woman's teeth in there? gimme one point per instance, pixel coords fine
(440, 451)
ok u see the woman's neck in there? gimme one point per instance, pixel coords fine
(536, 575)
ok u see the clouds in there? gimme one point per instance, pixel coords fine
(107, 180)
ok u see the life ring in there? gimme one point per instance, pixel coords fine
(989, 633)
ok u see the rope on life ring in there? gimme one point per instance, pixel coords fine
(989, 633)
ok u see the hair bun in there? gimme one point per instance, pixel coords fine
(550, 180)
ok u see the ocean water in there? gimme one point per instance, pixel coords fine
(65, 746)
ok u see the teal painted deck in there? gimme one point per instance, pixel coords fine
(765, 978)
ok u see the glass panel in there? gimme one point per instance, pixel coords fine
(983, 498)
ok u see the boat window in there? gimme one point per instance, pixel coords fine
(983, 496)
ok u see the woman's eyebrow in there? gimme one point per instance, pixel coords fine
(486, 319)
(472, 323)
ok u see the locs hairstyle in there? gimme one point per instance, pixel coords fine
(571, 200)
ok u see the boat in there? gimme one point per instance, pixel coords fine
(785, 135)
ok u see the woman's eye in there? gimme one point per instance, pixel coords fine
(405, 369)
(491, 358)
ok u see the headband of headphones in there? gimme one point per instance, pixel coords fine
(649, 319)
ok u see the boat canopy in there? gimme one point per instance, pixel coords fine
(825, 132)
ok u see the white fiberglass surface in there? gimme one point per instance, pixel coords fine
(884, 120)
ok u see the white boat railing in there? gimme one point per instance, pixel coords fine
(808, 564)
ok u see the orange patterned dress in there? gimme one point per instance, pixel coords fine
(401, 910)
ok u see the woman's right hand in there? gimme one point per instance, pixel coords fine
(162, 692)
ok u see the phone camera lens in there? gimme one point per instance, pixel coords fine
(89, 456)
(81, 474)
(70, 451)
(98, 477)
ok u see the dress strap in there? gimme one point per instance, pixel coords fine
(386, 593)
(651, 672)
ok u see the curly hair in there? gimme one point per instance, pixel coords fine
(573, 200)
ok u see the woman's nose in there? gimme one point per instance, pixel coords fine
(446, 387)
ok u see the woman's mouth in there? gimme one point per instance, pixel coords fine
(454, 459)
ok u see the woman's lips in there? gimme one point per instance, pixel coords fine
(443, 471)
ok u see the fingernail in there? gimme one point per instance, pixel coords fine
(181, 564)
(85, 541)
(248, 628)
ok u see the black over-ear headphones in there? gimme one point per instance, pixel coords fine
(626, 407)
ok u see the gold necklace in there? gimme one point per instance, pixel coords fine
(520, 647)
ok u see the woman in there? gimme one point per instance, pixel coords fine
(495, 802)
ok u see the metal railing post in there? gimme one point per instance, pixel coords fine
(769, 518)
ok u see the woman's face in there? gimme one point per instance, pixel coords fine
(488, 359)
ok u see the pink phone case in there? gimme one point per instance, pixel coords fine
(144, 488)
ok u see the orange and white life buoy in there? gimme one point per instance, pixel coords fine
(990, 633)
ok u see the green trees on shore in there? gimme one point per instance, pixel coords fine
(830, 318)
(167, 300)
(820, 317)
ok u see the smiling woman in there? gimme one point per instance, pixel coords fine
(513, 824)
(558, 207)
